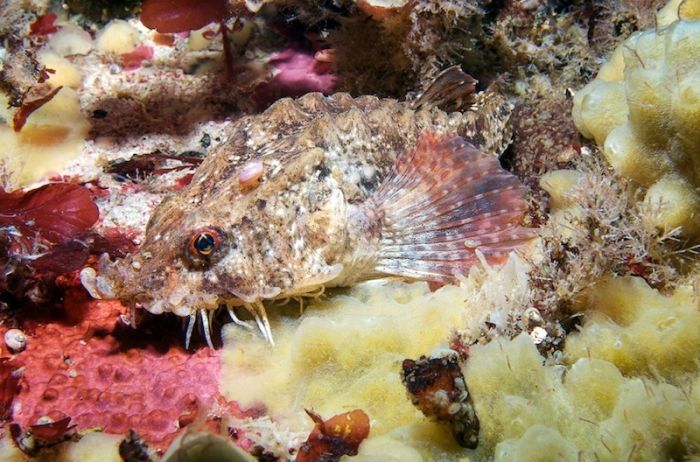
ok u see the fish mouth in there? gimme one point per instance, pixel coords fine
(203, 314)
(205, 317)
(196, 311)
(203, 310)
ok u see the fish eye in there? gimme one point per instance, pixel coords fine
(204, 242)
(204, 247)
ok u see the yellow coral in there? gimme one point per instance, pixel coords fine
(540, 444)
(590, 412)
(346, 353)
(65, 74)
(643, 109)
(55, 133)
(686, 9)
(650, 422)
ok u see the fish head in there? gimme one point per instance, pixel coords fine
(223, 245)
(191, 260)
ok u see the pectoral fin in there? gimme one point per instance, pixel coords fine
(444, 200)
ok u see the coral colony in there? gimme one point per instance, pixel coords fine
(371, 230)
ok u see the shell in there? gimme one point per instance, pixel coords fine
(15, 340)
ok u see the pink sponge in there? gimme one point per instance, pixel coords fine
(91, 367)
(296, 72)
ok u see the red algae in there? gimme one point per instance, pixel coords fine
(167, 40)
(168, 16)
(57, 211)
(135, 58)
(44, 25)
(46, 230)
(92, 368)
(51, 431)
(8, 387)
(21, 116)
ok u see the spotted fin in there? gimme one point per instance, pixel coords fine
(444, 200)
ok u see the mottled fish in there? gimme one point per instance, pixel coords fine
(328, 191)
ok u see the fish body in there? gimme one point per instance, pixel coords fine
(328, 191)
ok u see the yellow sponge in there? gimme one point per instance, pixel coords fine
(623, 392)
(639, 330)
(65, 73)
(118, 37)
(343, 355)
(53, 136)
(643, 109)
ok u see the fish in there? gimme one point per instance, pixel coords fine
(328, 191)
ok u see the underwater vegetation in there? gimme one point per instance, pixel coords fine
(524, 169)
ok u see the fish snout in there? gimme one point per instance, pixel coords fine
(110, 280)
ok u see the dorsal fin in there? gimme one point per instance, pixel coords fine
(452, 90)
(444, 200)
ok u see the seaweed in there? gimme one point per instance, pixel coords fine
(47, 432)
(167, 16)
(28, 107)
(43, 233)
(44, 25)
(58, 212)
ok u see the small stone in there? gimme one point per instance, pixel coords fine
(538, 335)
